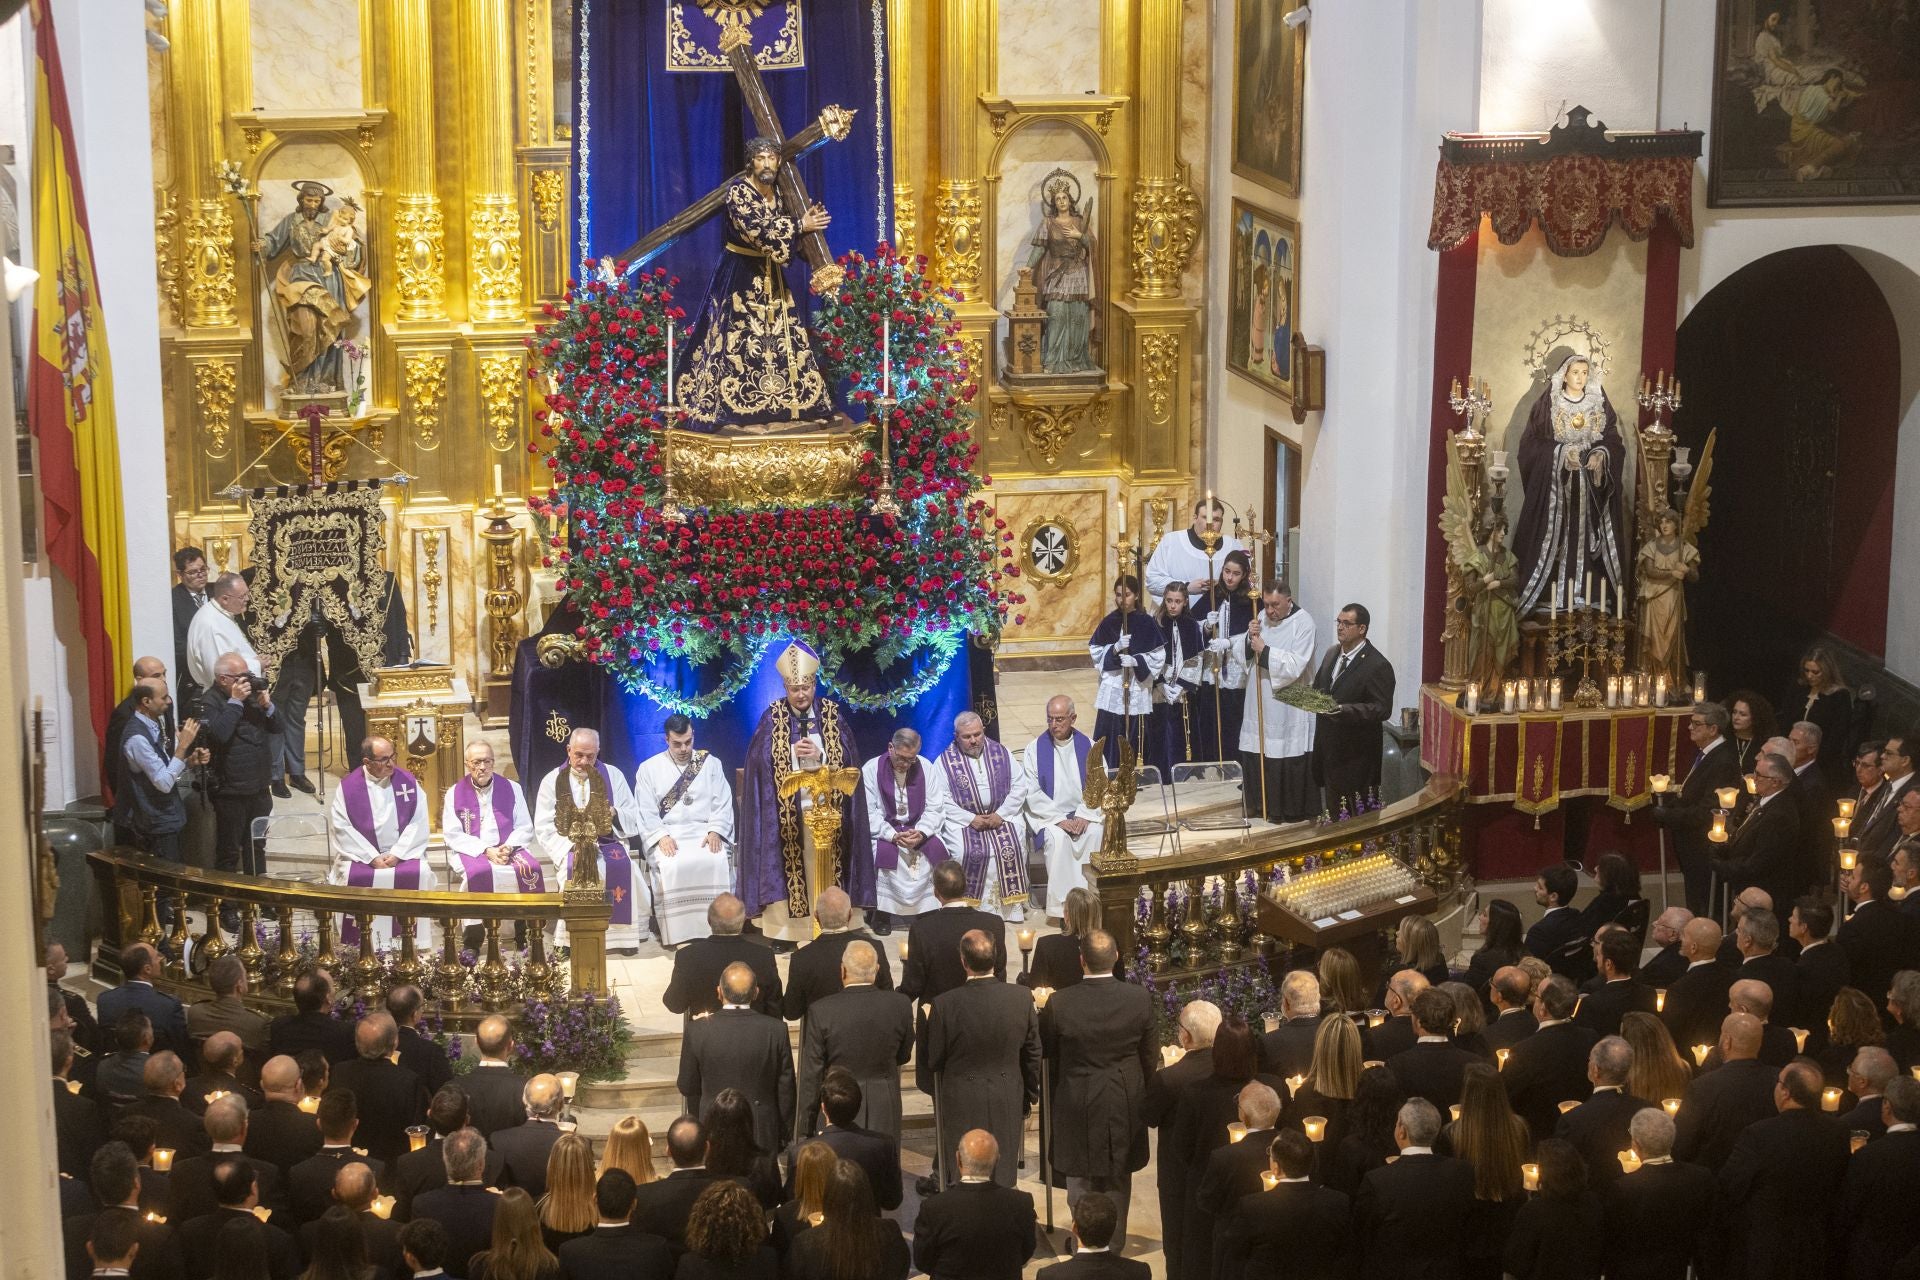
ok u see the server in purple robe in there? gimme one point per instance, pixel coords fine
(1170, 741)
(906, 812)
(588, 808)
(987, 790)
(776, 855)
(378, 830)
(488, 828)
(1225, 610)
(1127, 650)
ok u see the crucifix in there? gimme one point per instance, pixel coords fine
(833, 126)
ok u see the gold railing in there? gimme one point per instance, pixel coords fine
(1421, 831)
(300, 923)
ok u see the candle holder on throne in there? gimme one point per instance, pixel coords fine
(1585, 638)
(826, 788)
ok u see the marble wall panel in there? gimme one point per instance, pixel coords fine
(1060, 617)
(1048, 48)
(306, 55)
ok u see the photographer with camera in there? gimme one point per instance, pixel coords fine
(240, 722)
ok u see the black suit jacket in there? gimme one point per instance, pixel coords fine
(523, 1154)
(694, 987)
(814, 971)
(1411, 1217)
(198, 1087)
(425, 1059)
(1056, 963)
(1509, 1028)
(1598, 1128)
(1287, 1050)
(1601, 1009)
(1718, 1107)
(200, 1236)
(418, 1172)
(1766, 851)
(1879, 941)
(295, 1033)
(1778, 1190)
(79, 1130)
(1813, 800)
(494, 1098)
(467, 1215)
(877, 1155)
(187, 690)
(1876, 1218)
(974, 1231)
(616, 1253)
(178, 1127)
(389, 1096)
(932, 967)
(1880, 831)
(1689, 815)
(310, 1183)
(382, 1237)
(1297, 1231)
(1099, 1039)
(661, 1207)
(869, 1031)
(1433, 1071)
(281, 1133)
(1654, 1217)
(190, 1190)
(159, 1257)
(1665, 968)
(1782, 977)
(1096, 1266)
(1547, 1068)
(1552, 932)
(1346, 743)
(168, 1015)
(1697, 1005)
(745, 1050)
(983, 1042)
(1818, 976)
(1392, 1037)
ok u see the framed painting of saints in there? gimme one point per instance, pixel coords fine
(1813, 109)
(1269, 73)
(1263, 298)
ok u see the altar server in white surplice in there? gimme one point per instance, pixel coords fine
(685, 808)
(378, 827)
(906, 812)
(1181, 555)
(1279, 645)
(1055, 764)
(587, 801)
(488, 828)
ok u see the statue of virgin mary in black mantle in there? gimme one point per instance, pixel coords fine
(753, 369)
(1573, 473)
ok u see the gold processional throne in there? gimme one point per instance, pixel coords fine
(826, 788)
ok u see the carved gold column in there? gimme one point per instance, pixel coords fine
(903, 45)
(419, 227)
(1166, 215)
(493, 212)
(206, 271)
(957, 245)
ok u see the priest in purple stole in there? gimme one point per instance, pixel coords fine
(800, 731)
(906, 809)
(488, 828)
(1065, 830)
(378, 830)
(587, 807)
(986, 791)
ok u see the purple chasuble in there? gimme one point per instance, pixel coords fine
(886, 854)
(477, 867)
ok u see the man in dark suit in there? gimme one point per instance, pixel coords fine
(876, 1153)
(932, 966)
(1690, 814)
(1346, 741)
(1670, 961)
(615, 1249)
(418, 1054)
(1095, 1225)
(222, 1059)
(391, 1097)
(1560, 925)
(177, 1127)
(1232, 1171)
(1781, 1183)
(189, 596)
(423, 1247)
(1411, 1216)
(115, 1180)
(311, 1026)
(1876, 828)
(1395, 1035)
(697, 966)
(1511, 993)
(140, 964)
(1868, 1075)
(1813, 799)
(1550, 1066)
(354, 1189)
(84, 1027)
(1777, 1044)
(1287, 1050)
(814, 971)
(137, 1133)
(120, 1077)
(1198, 1021)
(1757, 937)
(1697, 1000)
(1878, 939)
(1098, 1035)
(1876, 1216)
(243, 729)
(1298, 1230)
(464, 1207)
(418, 1172)
(983, 1053)
(310, 1183)
(493, 1087)
(741, 1048)
(1619, 992)
(661, 1207)
(864, 1028)
(78, 1126)
(1598, 1126)
(235, 1191)
(1433, 1067)
(192, 1192)
(1765, 851)
(278, 1131)
(1654, 1214)
(524, 1148)
(1723, 1102)
(1819, 973)
(979, 1228)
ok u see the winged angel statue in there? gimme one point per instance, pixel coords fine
(1484, 575)
(1669, 559)
(1112, 794)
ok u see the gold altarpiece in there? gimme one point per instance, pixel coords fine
(447, 121)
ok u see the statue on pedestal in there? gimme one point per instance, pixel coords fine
(1493, 626)
(1573, 473)
(1062, 262)
(317, 286)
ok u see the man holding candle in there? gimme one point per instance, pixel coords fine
(1878, 939)
(1550, 1066)
(1690, 814)
(1295, 1227)
(1876, 827)
(1669, 962)
(390, 1096)
(1720, 1104)
(1876, 1217)
(1411, 1216)
(1598, 1127)
(1781, 1183)
(1765, 852)
(1654, 1214)
(1697, 999)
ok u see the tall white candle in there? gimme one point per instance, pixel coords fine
(496, 479)
(886, 354)
(1121, 508)
(669, 364)
(1620, 605)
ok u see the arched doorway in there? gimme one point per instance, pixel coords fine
(1795, 360)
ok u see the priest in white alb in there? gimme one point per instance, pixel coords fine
(587, 807)
(685, 807)
(906, 810)
(1181, 555)
(987, 793)
(1068, 833)
(378, 830)
(488, 828)
(1278, 769)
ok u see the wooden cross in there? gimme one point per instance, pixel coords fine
(833, 125)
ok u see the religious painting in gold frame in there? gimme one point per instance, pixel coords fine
(1263, 295)
(1269, 80)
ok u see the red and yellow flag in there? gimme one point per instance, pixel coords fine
(70, 389)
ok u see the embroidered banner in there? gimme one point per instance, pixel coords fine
(695, 30)
(1629, 761)
(318, 549)
(1537, 788)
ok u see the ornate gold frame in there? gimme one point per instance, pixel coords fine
(1034, 571)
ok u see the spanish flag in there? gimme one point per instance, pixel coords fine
(70, 389)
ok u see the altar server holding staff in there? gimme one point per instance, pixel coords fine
(1127, 650)
(1170, 741)
(1279, 767)
(1226, 612)
(684, 805)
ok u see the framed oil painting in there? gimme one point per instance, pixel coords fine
(1810, 106)
(1264, 290)
(1269, 73)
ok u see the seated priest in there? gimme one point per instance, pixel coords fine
(378, 831)
(986, 793)
(684, 805)
(906, 801)
(593, 812)
(488, 826)
(1066, 831)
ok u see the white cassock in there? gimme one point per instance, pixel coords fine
(685, 883)
(558, 850)
(1180, 558)
(212, 635)
(1066, 856)
(354, 849)
(906, 888)
(1289, 659)
(472, 828)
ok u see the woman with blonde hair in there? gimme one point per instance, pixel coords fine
(1340, 987)
(811, 1169)
(516, 1252)
(1658, 1071)
(1494, 1141)
(630, 1148)
(1334, 1075)
(1056, 958)
(1821, 697)
(1418, 945)
(568, 1209)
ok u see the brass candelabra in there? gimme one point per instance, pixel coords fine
(1589, 637)
(884, 503)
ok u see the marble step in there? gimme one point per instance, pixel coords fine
(651, 1073)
